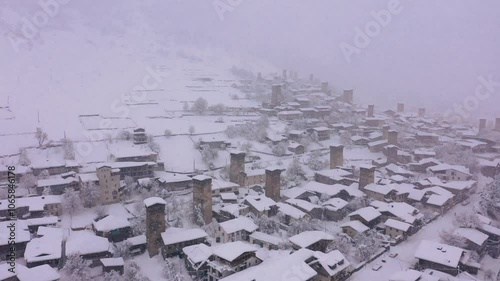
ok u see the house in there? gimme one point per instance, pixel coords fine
(312, 240)
(334, 209)
(290, 213)
(45, 249)
(267, 241)
(334, 176)
(57, 184)
(296, 193)
(369, 216)
(380, 192)
(238, 229)
(475, 239)
(109, 184)
(224, 212)
(229, 197)
(438, 256)
(135, 170)
(215, 143)
(88, 245)
(173, 181)
(254, 177)
(290, 115)
(175, 239)
(230, 258)
(22, 237)
(353, 228)
(447, 172)
(196, 258)
(376, 146)
(261, 205)
(331, 266)
(139, 136)
(36, 223)
(395, 228)
(113, 264)
(137, 244)
(132, 153)
(309, 208)
(221, 186)
(40, 273)
(114, 228)
(322, 132)
(296, 148)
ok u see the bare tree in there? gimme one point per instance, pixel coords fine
(40, 136)
(168, 133)
(71, 200)
(191, 130)
(68, 148)
(77, 268)
(449, 238)
(90, 195)
(23, 158)
(200, 106)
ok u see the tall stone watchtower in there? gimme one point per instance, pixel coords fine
(421, 112)
(236, 166)
(273, 183)
(155, 224)
(392, 137)
(336, 156)
(275, 94)
(371, 110)
(366, 176)
(401, 107)
(202, 198)
(497, 124)
(482, 124)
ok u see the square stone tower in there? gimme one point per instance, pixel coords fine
(392, 153)
(371, 110)
(482, 124)
(273, 183)
(401, 107)
(275, 94)
(497, 124)
(392, 137)
(284, 74)
(421, 112)
(236, 166)
(348, 96)
(202, 197)
(336, 156)
(385, 131)
(324, 87)
(155, 224)
(366, 176)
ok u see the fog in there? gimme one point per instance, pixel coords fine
(428, 54)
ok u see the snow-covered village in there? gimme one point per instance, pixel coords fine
(175, 162)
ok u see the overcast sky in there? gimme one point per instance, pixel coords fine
(428, 54)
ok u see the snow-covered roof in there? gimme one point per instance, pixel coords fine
(237, 224)
(90, 177)
(47, 247)
(198, 253)
(85, 242)
(397, 225)
(271, 239)
(445, 167)
(367, 213)
(42, 221)
(153, 201)
(177, 235)
(137, 240)
(302, 204)
(307, 238)
(111, 223)
(294, 192)
(119, 165)
(356, 225)
(439, 253)
(261, 202)
(39, 273)
(220, 184)
(407, 275)
(459, 185)
(33, 203)
(335, 204)
(5, 273)
(21, 229)
(278, 268)
(438, 200)
(473, 235)
(491, 229)
(290, 211)
(228, 196)
(111, 262)
(334, 173)
(321, 188)
(55, 181)
(332, 262)
(231, 251)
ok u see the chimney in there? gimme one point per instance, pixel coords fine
(275, 94)
(401, 107)
(311, 77)
(392, 137)
(155, 224)
(284, 74)
(497, 124)
(202, 197)
(385, 131)
(273, 183)
(421, 112)
(324, 87)
(336, 156)
(236, 166)
(371, 110)
(366, 176)
(482, 124)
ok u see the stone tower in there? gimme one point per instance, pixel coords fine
(497, 124)
(421, 112)
(336, 156)
(348, 96)
(482, 124)
(324, 87)
(401, 107)
(275, 94)
(273, 183)
(155, 224)
(392, 153)
(284, 75)
(385, 131)
(236, 166)
(366, 176)
(392, 137)
(371, 110)
(202, 198)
